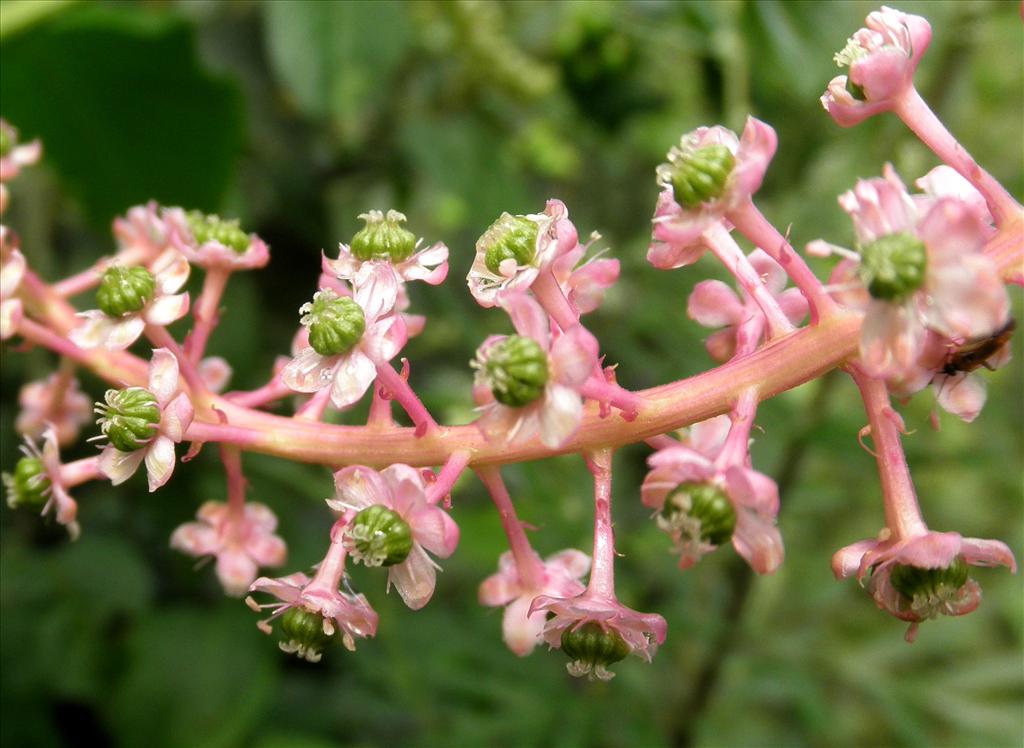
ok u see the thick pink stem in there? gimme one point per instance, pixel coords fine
(550, 296)
(404, 396)
(600, 389)
(80, 282)
(918, 116)
(902, 513)
(602, 573)
(529, 567)
(729, 253)
(450, 473)
(206, 312)
(748, 221)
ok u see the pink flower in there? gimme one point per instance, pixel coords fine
(515, 249)
(170, 271)
(251, 252)
(522, 629)
(920, 577)
(12, 270)
(585, 282)
(64, 508)
(242, 541)
(713, 304)
(16, 155)
(429, 264)
(336, 611)
(141, 235)
(944, 181)
(400, 489)
(538, 379)
(351, 373)
(215, 373)
(882, 59)
(53, 402)
(737, 171)
(175, 416)
(685, 485)
(923, 271)
(642, 633)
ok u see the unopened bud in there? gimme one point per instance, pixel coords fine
(28, 485)
(893, 266)
(383, 237)
(212, 228)
(129, 417)
(700, 175)
(124, 290)
(336, 323)
(509, 238)
(701, 503)
(591, 649)
(378, 536)
(516, 370)
(302, 633)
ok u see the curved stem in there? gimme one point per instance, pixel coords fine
(205, 311)
(232, 459)
(529, 567)
(313, 409)
(403, 394)
(450, 473)
(550, 296)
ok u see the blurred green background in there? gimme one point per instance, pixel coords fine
(298, 116)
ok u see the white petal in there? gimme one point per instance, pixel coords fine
(560, 415)
(163, 375)
(122, 333)
(159, 461)
(164, 310)
(308, 371)
(414, 578)
(170, 270)
(352, 377)
(120, 466)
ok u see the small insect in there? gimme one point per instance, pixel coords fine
(975, 354)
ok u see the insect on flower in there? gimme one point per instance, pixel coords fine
(975, 354)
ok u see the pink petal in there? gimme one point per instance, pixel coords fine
(236, 571)
(520, 630)
(375, 288)
(571, 562)
(892, 337)
(707, 437)
(196, 539)
(414, 578)
(385, 338)
(170, 270)
(757, 147)
(793, 304)
(215, 373)
(758, 540)
(574, 356)
(122, 333)
(978, 552)
(962, 395)
(754, 490)
(713, 304)
(344, 267)
(527, 317)
(164, 310)
(430, 265)
(359, 487)
(721, 345)
(435, 530)
(163, 375)
(260, 515)
(160, 461)
(966, 299)
(846, 562)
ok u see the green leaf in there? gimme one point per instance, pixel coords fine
(125, 111)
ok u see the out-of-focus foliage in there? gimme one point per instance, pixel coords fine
(298, 116)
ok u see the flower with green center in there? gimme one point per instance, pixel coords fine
(213, 228)
(305, 633)
(591, 649)
(38, 483)
(928, 590)
(700, 175)
(336, 323)
(509, 242)
(698, 512)
(515, 370)
(893, 266)
(384, 241)
(28, 485)
(124, 290)
(383, 237)
(129, 417)
(212, 242)
(378, 536)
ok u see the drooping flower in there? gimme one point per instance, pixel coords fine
(210, 241)
(920, 577)
(714, 304)
(528, 384)
(385, 242)
(241, 540)
(521, 629)
(391, 523)
(702, 501)
(131, 298)
(144, 424)
(37, 484)
(349, 337)
(515, 249)
(709, 173)
(313, 612)
(881, 59)
(55, 401)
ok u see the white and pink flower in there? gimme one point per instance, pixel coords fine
(59, 501)
(12, 270)
(55, 402)
(584, 282)
(212, 253)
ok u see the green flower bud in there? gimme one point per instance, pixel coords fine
(942, 584)
(893, 267)
(707, 505)
(516, 370)
(302, 632)
(383, 237)
(129, 418)
(378, 536)
(701, 175)
(510, 237)
(212, 228)
(591, 649)
(28, 485)
(336, 323)
(124, 290)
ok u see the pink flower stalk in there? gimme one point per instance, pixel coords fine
(401, 490)
(12, 270)
(713, 304)
(712, 172)
(351, 373)
(584, 282)
(429, 264)
(241, 541)
(158, 451)
(529, 384)
(688, 482)
(594, 628)
(882, 59)
(516, 249)
(922, 575)
(55, 402)
(560, 577)
(16, 155)
(213, 253)
(334, 611)
(923, 271)
(50, 480)
(170, 271)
